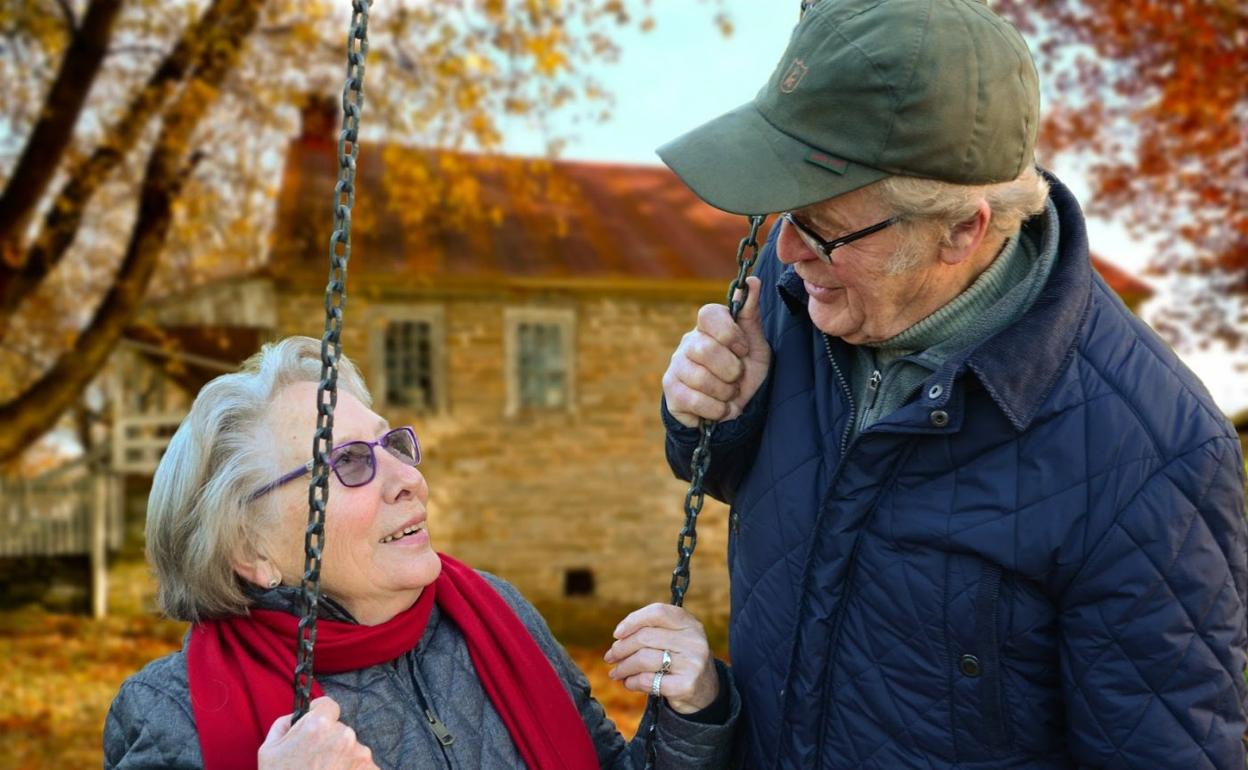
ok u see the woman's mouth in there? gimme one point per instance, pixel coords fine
(413, 534)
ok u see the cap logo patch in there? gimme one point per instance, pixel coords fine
(824, 160)
(797, 71)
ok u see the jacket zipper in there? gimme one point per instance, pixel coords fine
(439, 729)
(849, 396)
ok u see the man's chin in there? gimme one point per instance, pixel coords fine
(831, 318)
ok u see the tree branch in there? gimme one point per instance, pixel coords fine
(52, 131)
(67, 12)
(38, 407)
(64, 216)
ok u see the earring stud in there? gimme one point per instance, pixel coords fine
(274, 583)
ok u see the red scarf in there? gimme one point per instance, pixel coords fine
(241, 671)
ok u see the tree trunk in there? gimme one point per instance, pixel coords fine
(37, 409)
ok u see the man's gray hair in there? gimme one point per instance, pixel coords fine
(200, 517)
(928, 203)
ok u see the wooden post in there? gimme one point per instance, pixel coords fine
(99, 545)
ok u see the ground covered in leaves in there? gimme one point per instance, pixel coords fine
(62, 670)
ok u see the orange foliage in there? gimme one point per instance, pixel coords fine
(1155, 95)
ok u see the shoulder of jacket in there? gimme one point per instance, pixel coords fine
(1145, 374)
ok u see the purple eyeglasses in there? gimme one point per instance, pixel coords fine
(354, 462)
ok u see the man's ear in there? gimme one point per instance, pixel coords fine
(966, 236)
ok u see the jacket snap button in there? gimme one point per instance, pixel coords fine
(939, 418)
(969, 664)
(934, 392)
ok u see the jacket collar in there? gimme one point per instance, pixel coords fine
(1020, 365)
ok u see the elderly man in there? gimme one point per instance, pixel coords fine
(981, 516)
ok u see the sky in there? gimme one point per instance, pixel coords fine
(684, 72)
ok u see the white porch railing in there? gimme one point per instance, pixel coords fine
(139, 441)
(69, 511)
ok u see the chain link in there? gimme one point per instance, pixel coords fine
(331, 350)
(688, 538)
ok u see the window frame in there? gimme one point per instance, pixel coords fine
(380, 318)
(565, 319)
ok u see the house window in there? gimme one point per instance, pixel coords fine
(539, 359)
(409, 365)
(542, 367)
(408, 358)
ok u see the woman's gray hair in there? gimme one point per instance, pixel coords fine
(200, 517)
(926, 204)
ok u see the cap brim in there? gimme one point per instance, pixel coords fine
(740, 163)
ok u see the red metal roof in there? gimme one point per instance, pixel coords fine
(608, 221)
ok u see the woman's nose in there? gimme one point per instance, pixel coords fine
(401, 481)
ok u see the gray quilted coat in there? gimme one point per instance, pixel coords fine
(150, 724)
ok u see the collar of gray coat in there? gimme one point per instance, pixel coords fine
(288, 599)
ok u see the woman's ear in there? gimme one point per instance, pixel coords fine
(258, 570)
(966, 236)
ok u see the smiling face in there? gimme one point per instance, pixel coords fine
(377, 555)
(860, 297)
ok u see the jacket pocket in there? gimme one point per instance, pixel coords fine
(987, 642)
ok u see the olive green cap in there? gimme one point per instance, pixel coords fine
(940, 89)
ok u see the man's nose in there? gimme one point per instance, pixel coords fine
(790, 247)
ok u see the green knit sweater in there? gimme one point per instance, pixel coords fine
(887, 374)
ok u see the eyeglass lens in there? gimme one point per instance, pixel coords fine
(401, 443)
(355, 463)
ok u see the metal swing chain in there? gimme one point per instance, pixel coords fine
(688, 538)
(331, 349)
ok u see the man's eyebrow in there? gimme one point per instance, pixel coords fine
(821, 221)
(828, 223)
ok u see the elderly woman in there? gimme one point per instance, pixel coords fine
(420, 661)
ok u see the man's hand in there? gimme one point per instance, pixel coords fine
(316, 742)
(719, 365)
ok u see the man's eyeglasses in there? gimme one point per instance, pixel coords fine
(354, 462)
(822, 248)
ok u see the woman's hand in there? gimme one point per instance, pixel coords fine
(318, 741)
(691, 683)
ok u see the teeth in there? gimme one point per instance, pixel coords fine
(401, 533)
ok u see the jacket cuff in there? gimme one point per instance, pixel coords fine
(688, 743)
(726, 433)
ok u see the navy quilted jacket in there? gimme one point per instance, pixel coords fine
(1038, 562)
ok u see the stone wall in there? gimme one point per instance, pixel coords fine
(534, 495)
